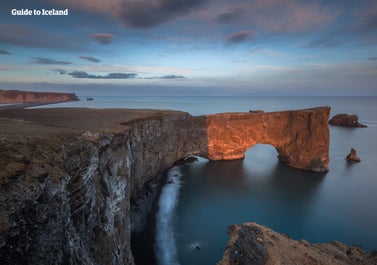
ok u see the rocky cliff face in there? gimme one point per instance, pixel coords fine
(73, 180)
(301, 137)
(66, 197)
(251, 243)
(17, 96)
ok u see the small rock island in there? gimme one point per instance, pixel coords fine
(346, 120)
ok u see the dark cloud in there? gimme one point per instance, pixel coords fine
(147, 13)
(238, 37)
(372, 58)
(4, 52)
(41, 60)
(59, 71)
(82, 74)
(90, 59)
(229, 17)
(172, 77)
(103, 38)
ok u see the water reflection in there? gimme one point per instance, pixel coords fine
(217, 194)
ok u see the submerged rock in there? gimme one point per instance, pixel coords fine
(251, 243)
(352, 156)
(346, 120)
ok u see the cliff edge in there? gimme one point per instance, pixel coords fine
(18, 96)
(73, 180)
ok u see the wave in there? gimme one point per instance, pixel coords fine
(165, 246)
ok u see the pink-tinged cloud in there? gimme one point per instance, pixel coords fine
(239, 37)
(295, 16)
(99, 6)
(148, 13)
(103, 38)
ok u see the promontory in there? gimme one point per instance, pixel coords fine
(71, 179)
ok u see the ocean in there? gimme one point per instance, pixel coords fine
(209, 196)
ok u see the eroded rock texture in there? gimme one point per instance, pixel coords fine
(73, 180)
(66, 195)
(251, 243)
(300, 137)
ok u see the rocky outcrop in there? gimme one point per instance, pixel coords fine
(300, 137)
(352, 156)
(251, 243)
(73, 181)
(17, 96)
(346, 120)
(67, 194)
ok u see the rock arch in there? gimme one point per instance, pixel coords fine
(301, 137)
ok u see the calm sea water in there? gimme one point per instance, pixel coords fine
(340, 205)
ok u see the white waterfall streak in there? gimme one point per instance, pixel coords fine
(165, 247)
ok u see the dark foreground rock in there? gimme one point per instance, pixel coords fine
(253, 244)
(352, 156)
(346, 120)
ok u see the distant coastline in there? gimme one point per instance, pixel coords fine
(24, 99)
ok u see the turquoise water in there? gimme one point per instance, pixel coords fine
(340, 205)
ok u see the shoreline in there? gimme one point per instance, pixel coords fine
(27, 105)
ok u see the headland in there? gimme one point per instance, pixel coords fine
(73, 181)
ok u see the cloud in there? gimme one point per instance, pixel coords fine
(42, 60)
(372, 58)
(103, 38)
(4, 52)
(268, 52)
(229, 17)
(101, 6)
(172, 77)
(59, 71)
(165, 77)
(239, 37)
(90, 59)
(26, 36)
(324, 42)
(146, 13)
(82, 74)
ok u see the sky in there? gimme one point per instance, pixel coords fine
(190, 47)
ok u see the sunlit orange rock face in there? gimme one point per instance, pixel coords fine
(301, 137)
(17, 96)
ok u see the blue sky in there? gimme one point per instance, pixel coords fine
(238, 47)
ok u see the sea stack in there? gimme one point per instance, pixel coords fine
(352, 156)
(346, 120)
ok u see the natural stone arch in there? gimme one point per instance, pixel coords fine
(301, 137)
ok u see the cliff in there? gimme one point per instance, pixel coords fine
(17, 96)
(300, 137)
(73, 181)
(251, 243)
(68, 180)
